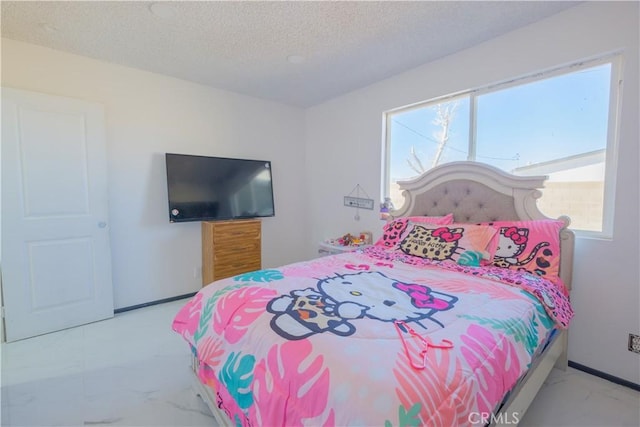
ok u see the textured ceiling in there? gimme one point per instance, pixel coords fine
(243, 46)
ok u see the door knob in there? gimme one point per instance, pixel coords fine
(102, 224)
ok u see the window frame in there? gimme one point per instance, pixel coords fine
(615, 60)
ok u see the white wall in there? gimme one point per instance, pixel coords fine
(147, 115)
(344, 147)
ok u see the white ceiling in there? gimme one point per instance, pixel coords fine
(243, 46)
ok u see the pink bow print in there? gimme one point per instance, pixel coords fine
(357, 267)
(445, 234)
(512, 233)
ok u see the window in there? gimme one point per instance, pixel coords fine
(556, 124)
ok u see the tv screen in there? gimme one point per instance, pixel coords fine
(215, 188)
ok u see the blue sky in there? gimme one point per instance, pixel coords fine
(540, 121)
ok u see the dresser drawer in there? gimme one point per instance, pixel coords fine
(246, 250)
(230, 270)
(231, 233)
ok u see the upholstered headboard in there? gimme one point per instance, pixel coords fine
(475, 192)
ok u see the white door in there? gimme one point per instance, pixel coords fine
(56, 260)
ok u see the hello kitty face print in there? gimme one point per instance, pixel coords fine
(511, 244)
(345, 297)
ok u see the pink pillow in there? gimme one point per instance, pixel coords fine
(462, 243)
(393, 230)
(533, 246)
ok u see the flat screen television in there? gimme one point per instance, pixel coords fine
(204, 188)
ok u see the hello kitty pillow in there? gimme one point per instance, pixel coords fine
(466, 244)
(533, 246)
(393, 231)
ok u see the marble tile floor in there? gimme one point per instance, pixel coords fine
(132, 370)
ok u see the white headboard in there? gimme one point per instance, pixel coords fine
(475, 192)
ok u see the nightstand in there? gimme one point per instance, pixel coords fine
(325, 248)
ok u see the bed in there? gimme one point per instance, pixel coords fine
(455, 316)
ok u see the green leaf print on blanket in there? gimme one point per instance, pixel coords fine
(546, 321)
(407, 418)
(260, 276)
(236, 375)
(207, 310)
(522, 331)
(525, 331)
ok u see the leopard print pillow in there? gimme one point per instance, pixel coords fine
(439, 244)
(393, 231)
(455, 243)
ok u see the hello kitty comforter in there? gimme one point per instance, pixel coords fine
(367, 339)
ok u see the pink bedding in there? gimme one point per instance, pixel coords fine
(328, 342)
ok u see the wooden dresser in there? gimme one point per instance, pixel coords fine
(230, 248)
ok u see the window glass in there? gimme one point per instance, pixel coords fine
(425, 137)
(555, 126)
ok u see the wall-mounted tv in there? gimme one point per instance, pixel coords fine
(204, 188)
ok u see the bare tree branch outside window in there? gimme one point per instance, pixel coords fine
(445, 113)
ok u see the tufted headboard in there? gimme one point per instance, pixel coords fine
(475, 192)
